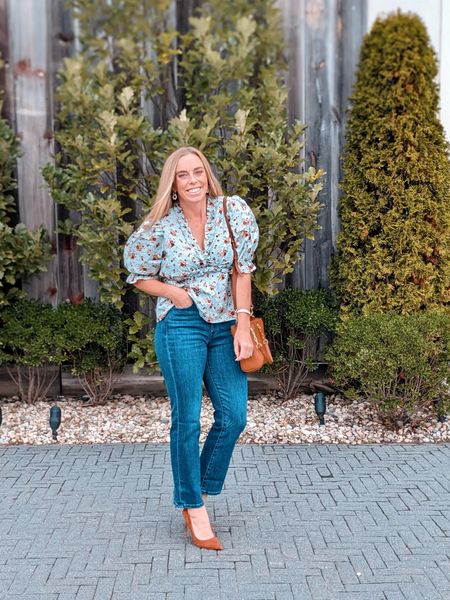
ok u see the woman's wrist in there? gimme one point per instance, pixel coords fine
(170, 292)
(243, 320)
(174, 293)
(246, 311)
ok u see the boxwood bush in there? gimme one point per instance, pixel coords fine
(27, 347)
(92, 336)
(295, 322)
(400, 363)
(89, 337)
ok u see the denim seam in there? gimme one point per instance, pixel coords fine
(169, 360)
(221, 430)
(210, 493)
(181, 505)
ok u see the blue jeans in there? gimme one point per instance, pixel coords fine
(189, 351)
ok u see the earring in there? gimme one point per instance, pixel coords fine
(174, 196)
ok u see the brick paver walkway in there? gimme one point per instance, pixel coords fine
(304, 522)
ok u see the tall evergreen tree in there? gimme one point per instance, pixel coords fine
(394, 246)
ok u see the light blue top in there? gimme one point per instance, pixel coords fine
(169, 252)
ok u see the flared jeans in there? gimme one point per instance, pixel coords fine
(191, 351)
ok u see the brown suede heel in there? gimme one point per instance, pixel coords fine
(210, 544)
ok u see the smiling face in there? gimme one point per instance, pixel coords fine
(191, 182)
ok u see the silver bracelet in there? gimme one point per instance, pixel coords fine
(243, 310)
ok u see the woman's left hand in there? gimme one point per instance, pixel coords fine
(243, 344)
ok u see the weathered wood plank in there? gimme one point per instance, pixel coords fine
(320, 42)
(6, 81)
(185, 9)
(70, 270)
(313, 83)
(28, 32)
(62, 42)
(323, 38)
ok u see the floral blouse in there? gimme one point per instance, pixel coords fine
(168, 251)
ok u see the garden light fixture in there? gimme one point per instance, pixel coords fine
(55, 420)
(320, 405)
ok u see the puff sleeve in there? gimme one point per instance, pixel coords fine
(245, 231)
(143, 253)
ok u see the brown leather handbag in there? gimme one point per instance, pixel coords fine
(261, 351)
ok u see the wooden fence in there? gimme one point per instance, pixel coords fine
(322, 41)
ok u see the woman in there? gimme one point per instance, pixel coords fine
(182, 253)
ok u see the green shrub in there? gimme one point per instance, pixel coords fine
(230, 101)
(399, 363)
(141, 342)
(92, 336)
(89, 337)
(236, 111)
(27, 347)
(393, 252)
(110, 153)
(22, 252)
(295, 320)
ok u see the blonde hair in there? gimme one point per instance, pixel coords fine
(163, 200)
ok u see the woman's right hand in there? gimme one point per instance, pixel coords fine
(180, 298)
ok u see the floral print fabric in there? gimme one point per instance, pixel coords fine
(168, 251)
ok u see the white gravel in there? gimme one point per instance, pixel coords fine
(271, 420)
